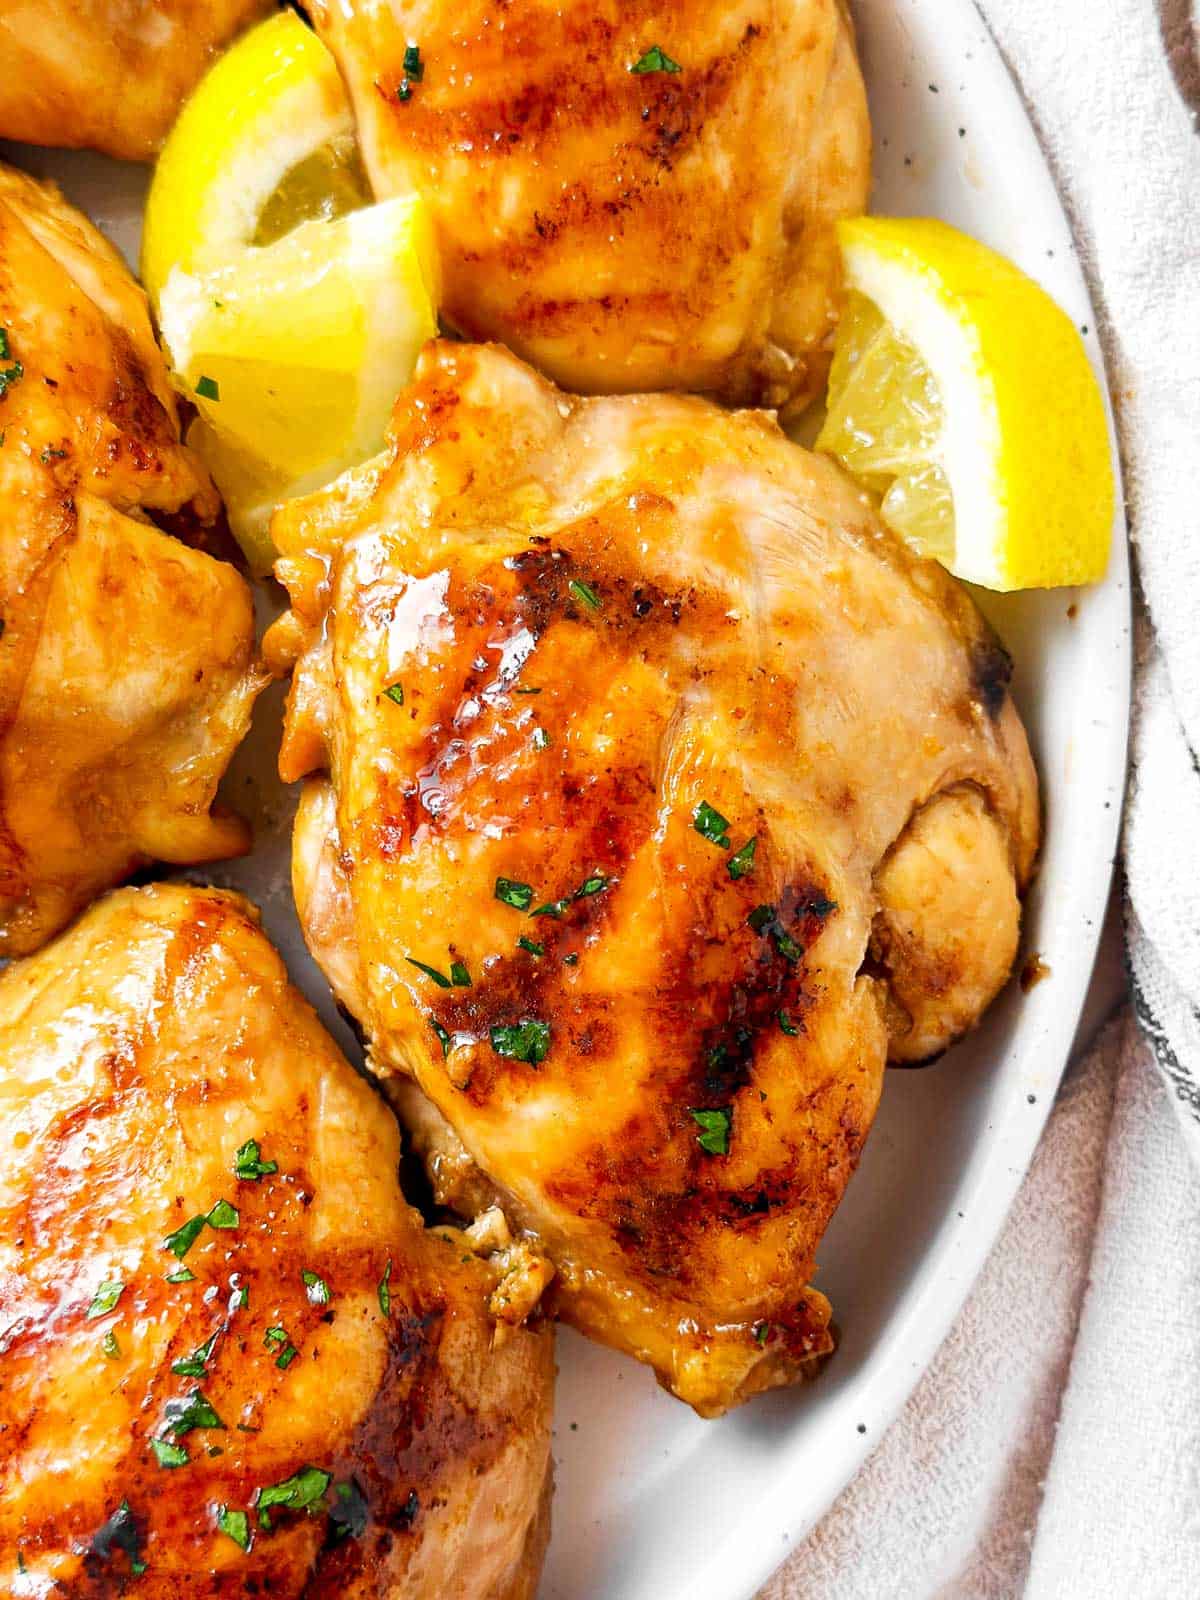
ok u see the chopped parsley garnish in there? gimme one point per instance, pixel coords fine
(711, 825)
(240, 1298)
(195, 1365)
(596, 884)
(762, 1332)
(48, 455)
(395, 693)
(534, 948)
(552, 908)
(786, 945)
(459, 976)
(169, 1455)
(741, 863)
(656, 59)
(315, 1288)
(385, 1290)
(105, 1299)
(273, 1338)
(541, 739)
(528, 1040)
(235, 1525)
(765, 920)
(760, 917)
(440, 978)
(110, 1346)
(590, 886)
(208, 388)
(713, 1137)
(120, 1532)
(248, 1167)
(584, 592)
(414, 71)
(303, 1491)
(349, 1512)
(182, 1240)
(511, 892)
(786, 1025)
(181, 1275)
(5, 352)
(443, 1036)
(223, 1215)
(286, 1356)
(9, 376)
(180, 1416)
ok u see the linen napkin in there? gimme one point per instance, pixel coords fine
(1052, 1451)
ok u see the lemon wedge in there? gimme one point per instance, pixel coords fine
(292, 310)
(962, 397)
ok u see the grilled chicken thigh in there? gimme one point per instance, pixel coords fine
(631, 197)
(235, 1362)
(658, 795)
(126, 674)
(110, 75)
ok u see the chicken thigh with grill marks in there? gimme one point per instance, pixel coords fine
(630, 197)
(126, 657)
(659, 796)
(108, 75)
(235, 1361)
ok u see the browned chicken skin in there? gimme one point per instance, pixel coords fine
(156, 1069)
(110, 75)
(624, 230)
(570, 658)
(126, 670)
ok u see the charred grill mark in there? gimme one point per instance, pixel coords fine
(990, 673)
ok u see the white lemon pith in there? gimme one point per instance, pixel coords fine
(292, 319)
(962, 396)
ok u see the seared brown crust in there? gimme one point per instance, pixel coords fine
(126, 658)
(138, 1053)
(108, 75)
(622, 230)
(600, 616)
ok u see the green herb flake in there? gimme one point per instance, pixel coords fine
(786, 945)
(169, 1455)
(195, 1365)
(181, 1415)
(120, 1532)
(715, 1126)
(596, 884)
(182, 1240)
(655, 59)
(208, 388)
(440, 978)
(762, 1333)
(9, 376)
(247, 1165)
(275, 1336)
(528, 1040)
(240, 1298)
(395, 693)
(105, 1299)
(286, 1356)
(234, 1525)
(711, 825)
(511, 892)
(349, 1512)
(741, 863)
(315, 1288)
(541, 739)
(443, 1037)
(223, 1215)
(533, 947)
(552, 908)
(111, 1346)
(181, 1275)
(5, 352)
(761, 918)
(786, 1025)
(459, 976)
(304, 1491)
(585, 593)
(414, 67)
(385, 1290)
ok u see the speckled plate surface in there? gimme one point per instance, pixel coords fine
(652, 1503)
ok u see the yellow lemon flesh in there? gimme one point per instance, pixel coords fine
(292, 310)
(962, 397)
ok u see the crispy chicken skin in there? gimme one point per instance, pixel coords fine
(139, 1055)
(108, 75)
(597, 620)
(126, 671)
(624, 230)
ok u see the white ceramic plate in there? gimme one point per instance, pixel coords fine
(652, 1503)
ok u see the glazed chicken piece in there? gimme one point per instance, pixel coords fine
(659, 795)
(235, 1361)
(108, 75)
(126, 673)
(630, 197)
